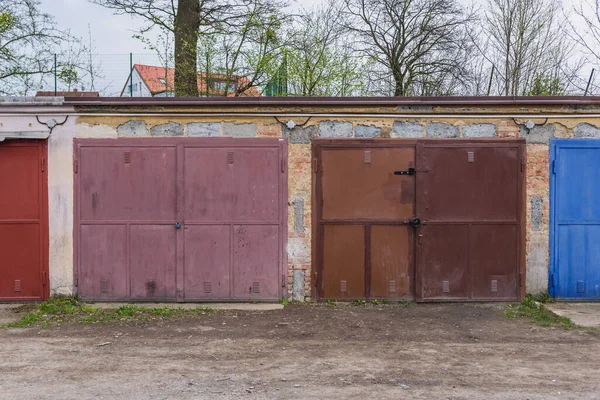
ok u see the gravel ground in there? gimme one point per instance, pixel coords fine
(428, 351)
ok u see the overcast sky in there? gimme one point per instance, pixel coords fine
(112, 35)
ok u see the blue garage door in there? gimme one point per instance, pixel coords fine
(575, 219)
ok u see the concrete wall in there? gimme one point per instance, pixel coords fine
(454, 124)
(60, 198)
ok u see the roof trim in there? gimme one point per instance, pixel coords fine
(332, 101)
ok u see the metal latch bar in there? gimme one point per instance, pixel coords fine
(410, 171)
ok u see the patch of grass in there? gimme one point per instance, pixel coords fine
(360, 302)
(405, 303)
(165, 311)
(28, 319)
(537, 313)
(84, 308)
(375, 302)
(68, 309)
(127, 311)
(59, 305)
(331, 303)
(540, 298)
(284, 302)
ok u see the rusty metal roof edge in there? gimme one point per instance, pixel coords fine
(329, 101)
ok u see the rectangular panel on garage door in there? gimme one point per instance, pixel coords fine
(366, 192)
(575, 219)
(181, 219)
(469, 200)
(23, 220)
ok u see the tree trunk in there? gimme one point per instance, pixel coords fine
(399, 87)
(187, 25)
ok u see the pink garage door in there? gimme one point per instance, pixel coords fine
(180, 219)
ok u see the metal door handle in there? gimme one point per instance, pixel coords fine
(177, 225)
(415, 222)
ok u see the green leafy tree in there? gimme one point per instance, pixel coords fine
(68, 75)
(319, 62)
(250, 46)
(546, 85)
(186, 20)
(163, 47)
(236, 23)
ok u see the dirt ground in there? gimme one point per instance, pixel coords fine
(430, 351)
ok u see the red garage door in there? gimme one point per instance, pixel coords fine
(470, 200)
(23, 221)
(181, 219)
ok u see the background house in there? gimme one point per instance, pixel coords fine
(153, 81)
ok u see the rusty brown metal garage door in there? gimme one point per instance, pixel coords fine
(461, 200)
(470, 201)
(23, 220)
(364, 236)
(181, 219)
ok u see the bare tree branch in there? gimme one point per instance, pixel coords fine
(422, 44)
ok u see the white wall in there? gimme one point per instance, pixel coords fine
(60, 198)
(141, 90)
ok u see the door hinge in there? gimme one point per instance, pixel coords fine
(44, 279)
(283, 281)
(282, 166)
(520, 279)
(522, 164)
(554, 167)
(43, 164)
(76, 165)
(315, 165)
(553, 280)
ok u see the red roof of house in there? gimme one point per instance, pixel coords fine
(154, 77)
(74, 93)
